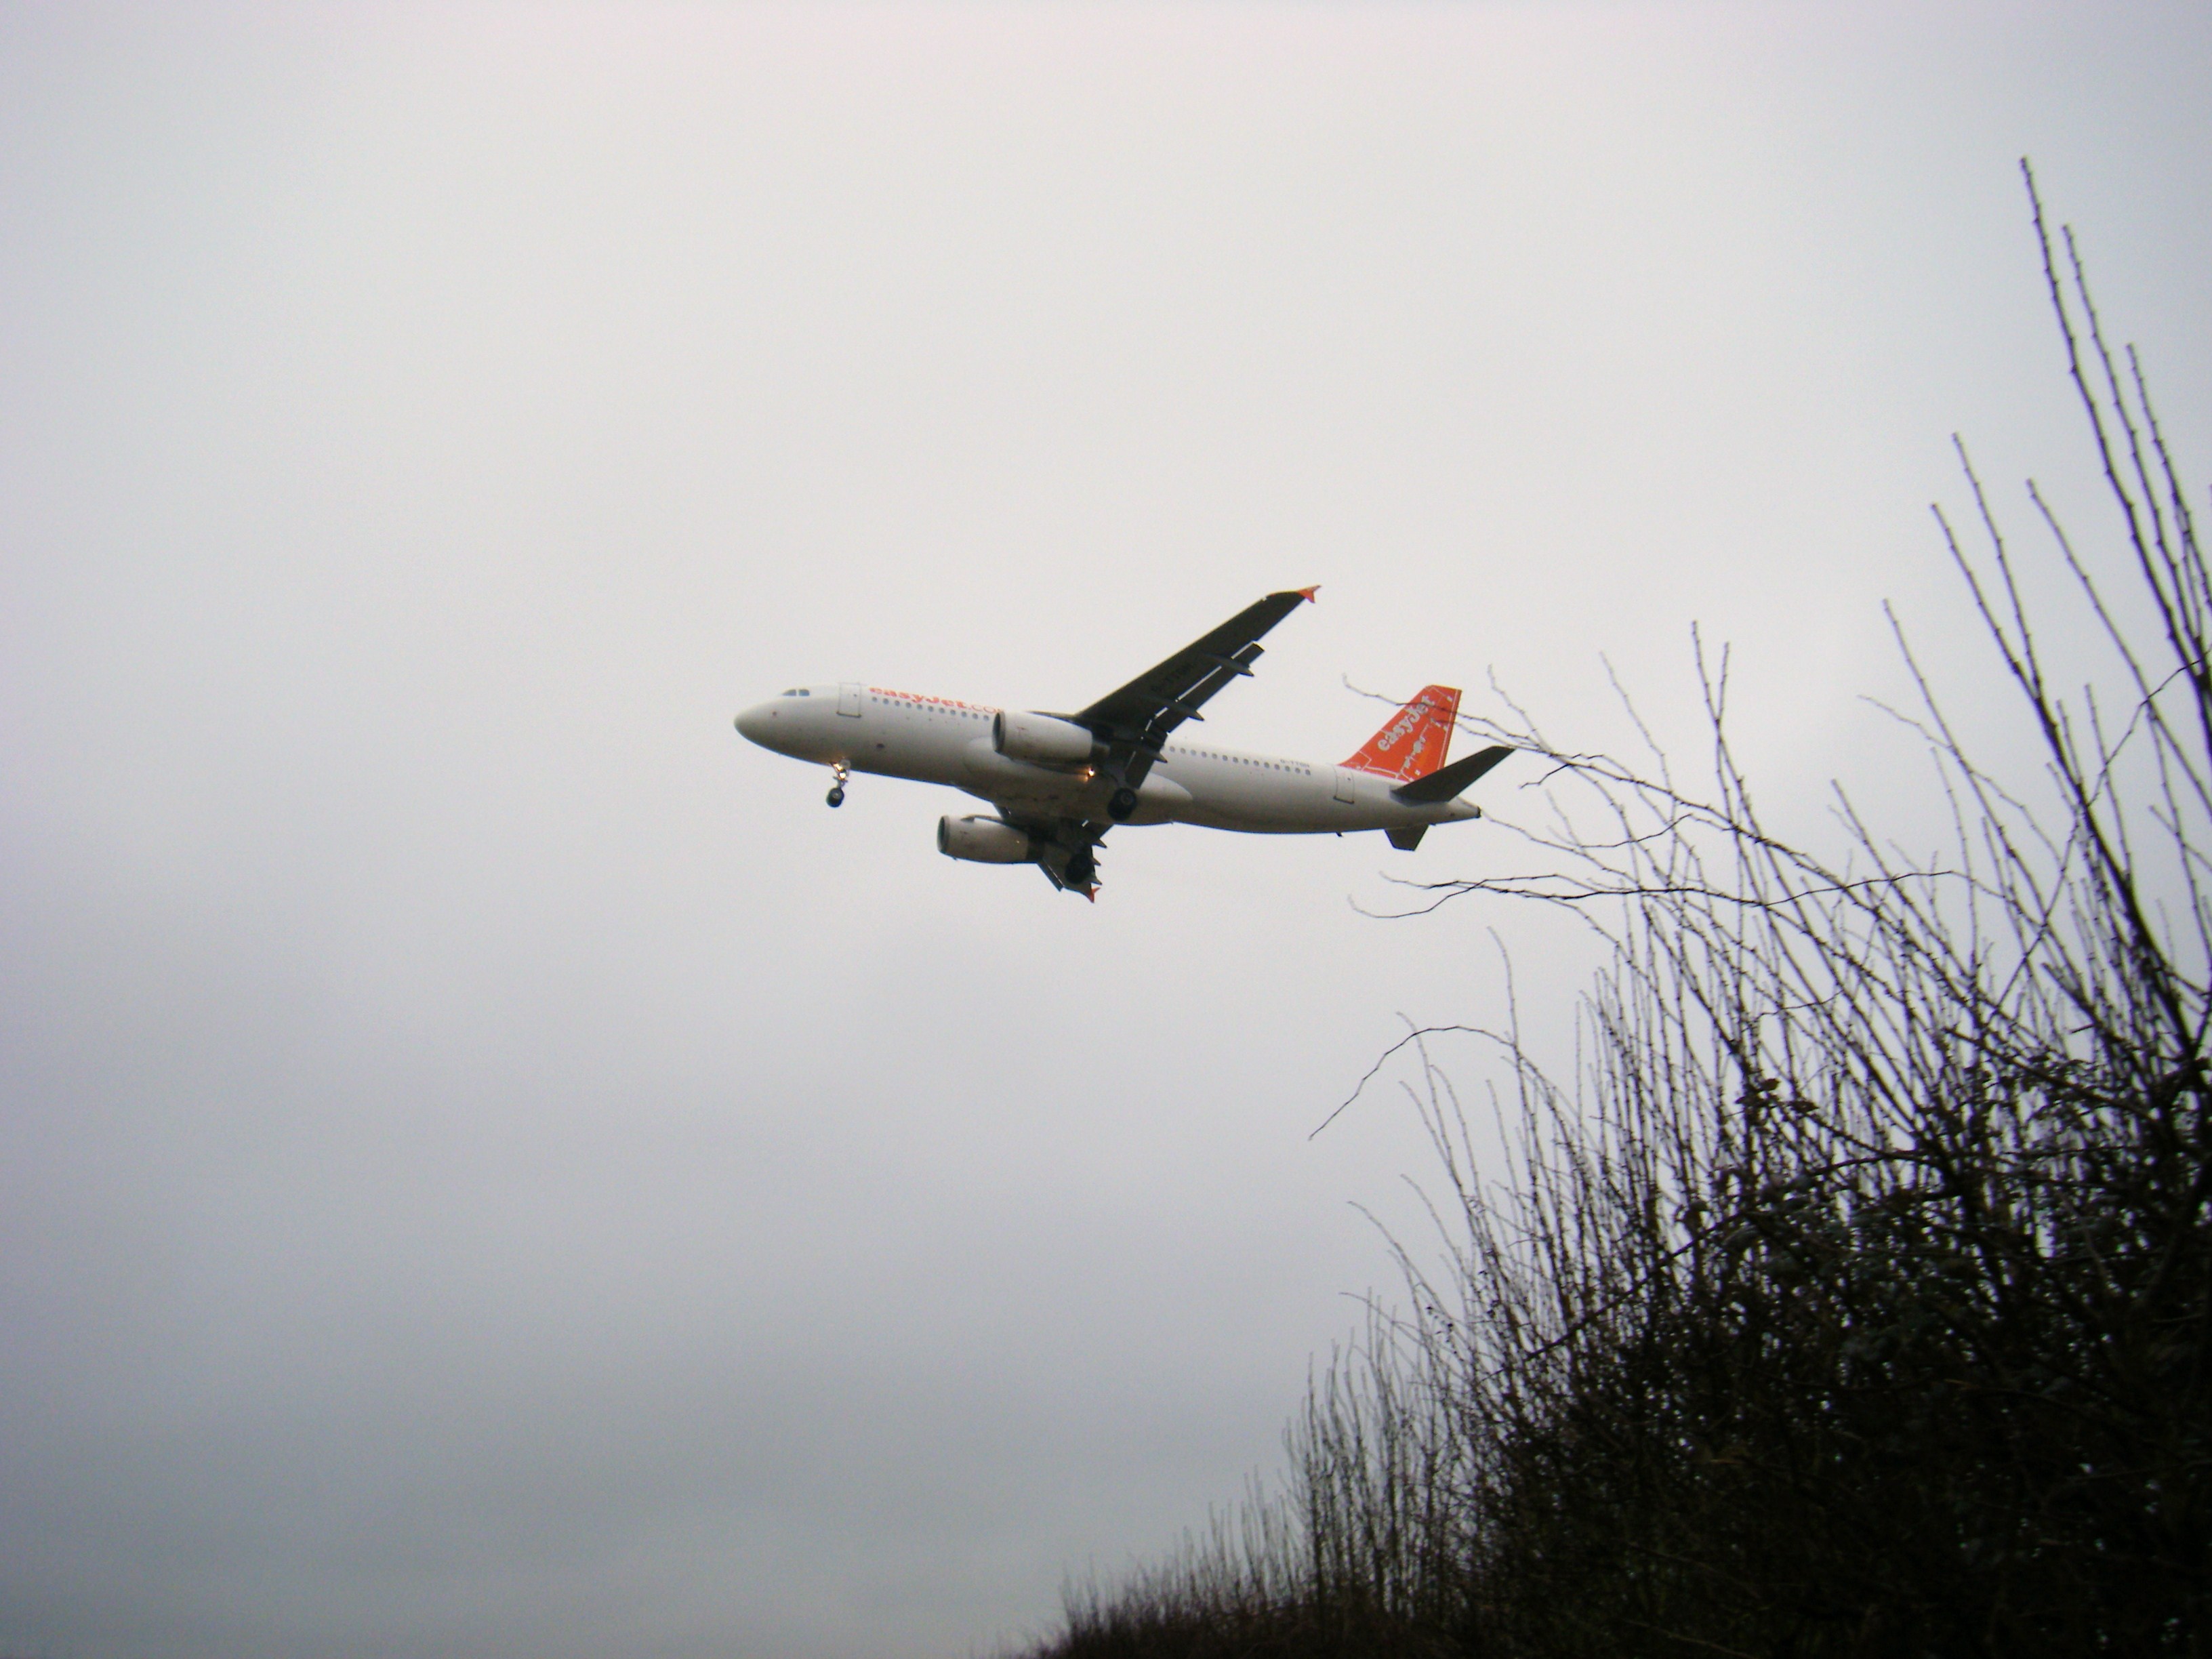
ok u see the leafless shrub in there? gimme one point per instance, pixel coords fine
(1852, 1294)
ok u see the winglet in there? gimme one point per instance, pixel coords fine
(1307, 593)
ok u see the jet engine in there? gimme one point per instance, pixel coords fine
(983, 841)
(1041, 738)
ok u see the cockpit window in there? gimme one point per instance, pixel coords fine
(797, 691)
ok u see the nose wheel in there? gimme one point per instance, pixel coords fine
(838, 772)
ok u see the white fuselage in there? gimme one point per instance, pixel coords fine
(897, 734)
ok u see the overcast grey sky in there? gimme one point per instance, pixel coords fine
(488, 1165)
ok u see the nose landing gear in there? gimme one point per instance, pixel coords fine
(838, 772)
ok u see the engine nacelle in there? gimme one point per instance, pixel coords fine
(983, 841)
(1040, 737)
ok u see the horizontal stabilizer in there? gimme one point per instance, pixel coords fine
(1446, 783)
(1406, 840)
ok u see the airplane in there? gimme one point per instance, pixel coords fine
(1058, 783)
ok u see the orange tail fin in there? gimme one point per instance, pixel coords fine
(1415, 741)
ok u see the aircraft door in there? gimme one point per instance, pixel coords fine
(848, 698)
(1344, 786)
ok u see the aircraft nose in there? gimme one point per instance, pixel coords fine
(757, 723)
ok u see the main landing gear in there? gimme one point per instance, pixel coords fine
(838, 772)
(1121, 804)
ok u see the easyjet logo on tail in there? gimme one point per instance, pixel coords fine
(1416, 739)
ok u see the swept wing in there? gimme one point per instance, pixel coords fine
(1135, 720)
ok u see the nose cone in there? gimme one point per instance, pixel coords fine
(759, 723)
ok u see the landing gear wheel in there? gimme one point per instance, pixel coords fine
(1082, 870)
(1121, 804)
(838, 772)
(836, 795)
